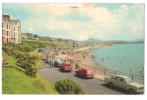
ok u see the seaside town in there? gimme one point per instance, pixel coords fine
(36, 64)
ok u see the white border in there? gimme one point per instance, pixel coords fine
(75, 97)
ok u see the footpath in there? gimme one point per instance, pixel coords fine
(100, 77)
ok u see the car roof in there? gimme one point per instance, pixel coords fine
(122, 76)
(85, 68)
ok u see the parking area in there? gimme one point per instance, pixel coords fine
(91, 86)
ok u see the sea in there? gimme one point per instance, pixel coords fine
(125, 58)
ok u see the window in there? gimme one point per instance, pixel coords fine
(7, 40)
(122, 79)
(7, 33)
(114, 77)
(2, 31)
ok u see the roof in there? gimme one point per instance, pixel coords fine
(123, 76)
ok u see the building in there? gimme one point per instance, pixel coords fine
(11, 30)
(15, 31)
(6, 29)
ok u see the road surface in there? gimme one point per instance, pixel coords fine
(90, 86)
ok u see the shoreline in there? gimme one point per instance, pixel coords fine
(87, 59)
(89, 62)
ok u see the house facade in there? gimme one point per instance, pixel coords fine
(11, 30)
(15, 32)
(6, 29)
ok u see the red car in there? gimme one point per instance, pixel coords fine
(85, 73)
(67, 67)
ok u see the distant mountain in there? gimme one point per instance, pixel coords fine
(92, 40)
(137, 41)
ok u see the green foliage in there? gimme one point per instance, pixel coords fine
(17, 82)
(30, 62)
(45, 85)
(67, 86)
(9, 61)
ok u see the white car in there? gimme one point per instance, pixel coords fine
(125, 83)
(58, 63)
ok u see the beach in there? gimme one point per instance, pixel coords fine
(87, 59)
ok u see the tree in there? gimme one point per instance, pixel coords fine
(35, 36)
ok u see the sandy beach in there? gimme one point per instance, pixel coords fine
(87, 60)
(85, 57)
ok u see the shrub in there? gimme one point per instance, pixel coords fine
(30, 62)
(67, 86)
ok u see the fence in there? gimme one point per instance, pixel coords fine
(107, 72)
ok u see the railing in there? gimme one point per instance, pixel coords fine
(107, 72)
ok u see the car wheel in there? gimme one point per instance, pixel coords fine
(77, 75)
(131, 91)
(110, 84)
(91, 77)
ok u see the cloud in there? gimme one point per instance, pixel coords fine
(81, 21)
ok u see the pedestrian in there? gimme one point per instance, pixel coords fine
(53, 63)
(77, 64)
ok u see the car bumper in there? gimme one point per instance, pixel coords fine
(139, 91)
(90, 76)
(67, 69)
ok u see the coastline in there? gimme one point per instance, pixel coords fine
(87, 60)
(84, 55)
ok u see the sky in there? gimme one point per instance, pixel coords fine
(80, 21)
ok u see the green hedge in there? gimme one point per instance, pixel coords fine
(68, 86)
(30, 62)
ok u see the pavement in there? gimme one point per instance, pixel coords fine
(99, 77)
(90, 86)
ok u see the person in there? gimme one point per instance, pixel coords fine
(53, 62)
(77, 64)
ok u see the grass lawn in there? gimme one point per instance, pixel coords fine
(15, 81)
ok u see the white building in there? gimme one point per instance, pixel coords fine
(11, 30)
(15, 31)
(6, 29)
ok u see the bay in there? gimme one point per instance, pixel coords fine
(126, 58)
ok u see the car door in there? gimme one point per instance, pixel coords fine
(82, 72)
(114, 80)
(121, 83)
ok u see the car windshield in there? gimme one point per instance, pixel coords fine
(128, 80)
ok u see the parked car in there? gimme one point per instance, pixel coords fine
(67, 67)
(85, 73)
(125, 83)
(49, 61)
(58, 63)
